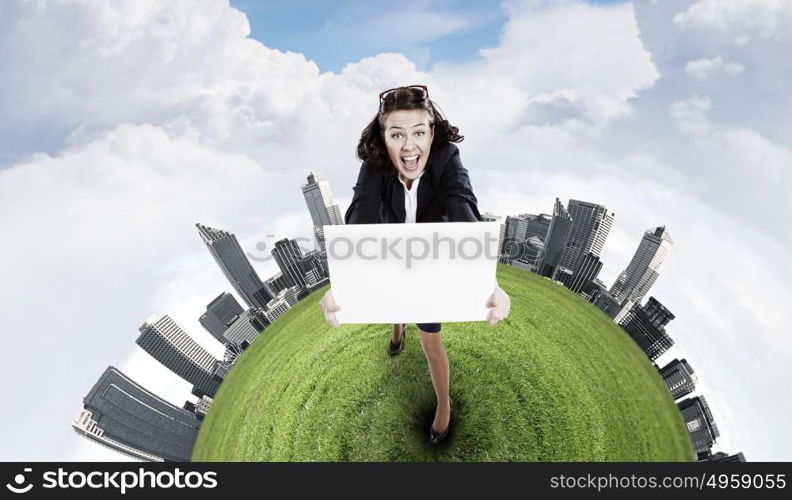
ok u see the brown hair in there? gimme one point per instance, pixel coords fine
(371, 147)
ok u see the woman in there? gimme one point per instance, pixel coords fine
(411, 172)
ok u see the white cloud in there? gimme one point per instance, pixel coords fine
(691, 114)
(704, 68)
(568, 54)
(746, 151)
(760, 18)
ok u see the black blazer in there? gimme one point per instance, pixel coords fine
(444, 193)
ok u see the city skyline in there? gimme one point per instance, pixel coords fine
(225, 320)
(644, 323)
(301, 273)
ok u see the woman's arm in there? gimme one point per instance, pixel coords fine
(365, 205)
(364, 209)
(463, 207)
(462, 203)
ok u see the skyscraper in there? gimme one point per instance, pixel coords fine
(289, 259)
(557, 235)
(226, 251)
(219, 315)
(700, 424)
(634, 282)
(646, 325)
(679, 377)
(123, 415)
(586, 272)
(591, 224)
(321, 205)
(166, 342)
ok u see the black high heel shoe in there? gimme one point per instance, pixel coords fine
(396, 348)
(434, 436)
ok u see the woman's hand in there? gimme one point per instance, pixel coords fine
(499, 304)
(329, 308)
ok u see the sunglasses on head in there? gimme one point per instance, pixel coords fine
(385, 94)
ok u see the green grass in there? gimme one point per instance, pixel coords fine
(556, 381)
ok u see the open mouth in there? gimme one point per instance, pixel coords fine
(410, 162)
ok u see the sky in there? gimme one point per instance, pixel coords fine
(122, 124)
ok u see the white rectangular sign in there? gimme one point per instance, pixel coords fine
(412, 273)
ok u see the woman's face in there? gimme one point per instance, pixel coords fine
(408, 138)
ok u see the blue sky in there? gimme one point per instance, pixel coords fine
(333, 34)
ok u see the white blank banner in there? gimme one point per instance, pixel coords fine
(412, 273)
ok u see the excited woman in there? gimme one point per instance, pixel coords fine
(411, 172)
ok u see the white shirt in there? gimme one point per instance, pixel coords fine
(410, 199)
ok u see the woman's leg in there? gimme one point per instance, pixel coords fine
(397, 333)
(439, 370)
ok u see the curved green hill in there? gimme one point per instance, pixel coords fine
(556, 381)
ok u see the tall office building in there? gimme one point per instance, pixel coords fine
(646, 325)
(557, 236)
(121, 414)
(290, 261)
(634, 282)
(226, 251)
(700, 424)
(321, 205)
(587, 271)
(679, 377)
(166, 342)
(219, 315)
(591, 224)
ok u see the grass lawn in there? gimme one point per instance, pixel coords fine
(556, 381)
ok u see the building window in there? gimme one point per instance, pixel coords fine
(694, 425)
